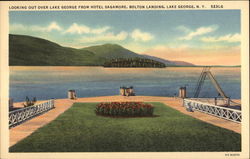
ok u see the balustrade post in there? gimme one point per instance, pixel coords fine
(227, 114)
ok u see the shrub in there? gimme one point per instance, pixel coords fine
(124, 109)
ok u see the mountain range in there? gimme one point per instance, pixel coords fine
(32, 51)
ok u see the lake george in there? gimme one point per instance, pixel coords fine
(48, 82)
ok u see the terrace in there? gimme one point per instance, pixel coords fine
(172, 123)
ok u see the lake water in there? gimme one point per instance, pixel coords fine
(54, 82)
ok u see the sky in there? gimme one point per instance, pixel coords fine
(201, 37)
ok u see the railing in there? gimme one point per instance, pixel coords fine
(221, 112)
(19, 116)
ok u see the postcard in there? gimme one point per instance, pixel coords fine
(124, 79)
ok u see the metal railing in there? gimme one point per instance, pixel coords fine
(221, 112)
(19, 116)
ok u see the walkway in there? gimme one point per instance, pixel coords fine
(61, 105)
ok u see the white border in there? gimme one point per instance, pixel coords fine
(242, 5)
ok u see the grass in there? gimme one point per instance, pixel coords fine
(80, 130)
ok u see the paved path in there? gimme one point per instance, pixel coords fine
(20, 132)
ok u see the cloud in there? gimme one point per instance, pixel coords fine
(100, 30)
(105, 37)
(226, 38)
(54, 26)
(20, 27)
(183, 29)
(138, 35)
(77, 29)
(198, 32)
(83, 29)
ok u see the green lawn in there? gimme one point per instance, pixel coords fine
(80, 130)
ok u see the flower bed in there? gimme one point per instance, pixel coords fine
(124, 109)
